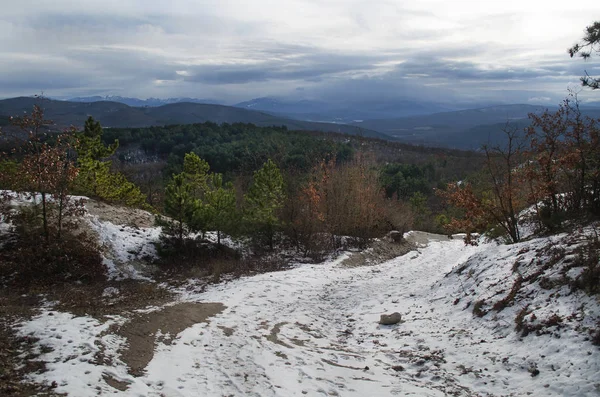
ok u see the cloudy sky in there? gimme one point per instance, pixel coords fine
(233, 50)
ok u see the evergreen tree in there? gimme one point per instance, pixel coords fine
(179, 205)
(91, 156)
(196, 173)
(589, 44)
(220, 206)
(263, 201)
(95, 175)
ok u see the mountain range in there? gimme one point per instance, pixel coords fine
(464, 129)
(342, 111)
(136, 102)
(116, 114)
(460, 129)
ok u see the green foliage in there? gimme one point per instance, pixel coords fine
(264, 199)
(95, 176)
(180, 206)
(89, 142)
(9, 175)
(230, 148)
(114, 187)
(198, 201)
(196, 173)
(418, 204)
(220, 207)
(404, 180)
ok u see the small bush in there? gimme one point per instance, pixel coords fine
(478, 308)
(24, 261)
(588, 257)
(190, 253)
(508, 299)
(520, 325)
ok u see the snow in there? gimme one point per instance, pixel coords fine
(69, 346)
(123, 245)
(313, 330)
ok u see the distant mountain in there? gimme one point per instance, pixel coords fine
(136, 102)
(115, 114)
(464, 129)
(342, 111)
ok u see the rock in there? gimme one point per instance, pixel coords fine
(390, 319)
(395, 236)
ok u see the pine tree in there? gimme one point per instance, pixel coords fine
(264, 199)
(220, 206)
(95, 177)
(196, 172)
(179, 205)
(91, 157)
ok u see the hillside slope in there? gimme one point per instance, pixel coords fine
(464, 129)
(115, 114)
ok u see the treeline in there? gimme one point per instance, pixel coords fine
(150, 156)
(228, 148)
(314, 212)
(553, 168)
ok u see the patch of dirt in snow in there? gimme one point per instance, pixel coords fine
(380, 251)
(120, 215)
(144, 331)
(126, 237)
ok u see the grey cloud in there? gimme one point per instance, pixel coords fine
(308, 67)
(116, 48)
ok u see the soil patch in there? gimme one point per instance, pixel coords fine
(380, 251)
(115, 383)
(273, 335)
(108, 298)
(141, 330)
(120, 215)
(423, 238)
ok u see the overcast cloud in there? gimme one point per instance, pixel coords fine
(334, 50)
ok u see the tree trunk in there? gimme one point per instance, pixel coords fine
(45, 218)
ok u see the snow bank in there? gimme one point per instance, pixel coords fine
(123, 245)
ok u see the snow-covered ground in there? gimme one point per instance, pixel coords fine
(313, 330)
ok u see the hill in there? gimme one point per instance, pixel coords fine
(116, 114)
(150, 102)
(342, 111)
(463, 129)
